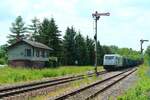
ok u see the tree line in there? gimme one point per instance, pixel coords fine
(71, 49)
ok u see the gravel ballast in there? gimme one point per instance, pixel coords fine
(118, 89)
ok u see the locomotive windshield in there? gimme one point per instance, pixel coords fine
(109, 57)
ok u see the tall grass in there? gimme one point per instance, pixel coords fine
(141, 91)
(11, 75)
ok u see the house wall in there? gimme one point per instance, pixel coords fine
(40, 58)
(27, 63)
(18, 53)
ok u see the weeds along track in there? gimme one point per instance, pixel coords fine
(19, 89)
(90, 91)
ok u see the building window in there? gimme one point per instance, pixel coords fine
(47, 54)
(28, 52)
(37, 53)
(43, 53)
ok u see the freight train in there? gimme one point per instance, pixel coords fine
(116, 61)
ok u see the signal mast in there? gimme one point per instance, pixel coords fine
(96, 17)
(141, 43)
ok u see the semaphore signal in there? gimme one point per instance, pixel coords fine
(96, 17)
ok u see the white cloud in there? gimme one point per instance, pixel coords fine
(126, 23)
(17, 7)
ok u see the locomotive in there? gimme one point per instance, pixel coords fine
(116, 61)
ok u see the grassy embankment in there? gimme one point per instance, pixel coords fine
(12, 75)
(141, 91)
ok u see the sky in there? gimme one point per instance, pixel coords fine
(127, 24)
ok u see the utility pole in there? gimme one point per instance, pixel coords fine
(141, 43)
(96, 17)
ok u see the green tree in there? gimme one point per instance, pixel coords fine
(3, 54)
(114, 49)
(34, 29)
(69, 46)
(50, 35)
(81, 50)
(106, 49)
(90, 51)
(147, 54)
(100, 54)
(18, 29)
(126, 52)
(148, 51)
(44, 32)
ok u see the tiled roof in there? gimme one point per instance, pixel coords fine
(34, 44)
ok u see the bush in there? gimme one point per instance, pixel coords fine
(141, 90)
(2, 61)
(51, 64)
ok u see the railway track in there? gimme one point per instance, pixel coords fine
(16, 90)
(90, 91)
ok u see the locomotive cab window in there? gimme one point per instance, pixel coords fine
(109, 57)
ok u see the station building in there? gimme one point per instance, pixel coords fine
(26, 53)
